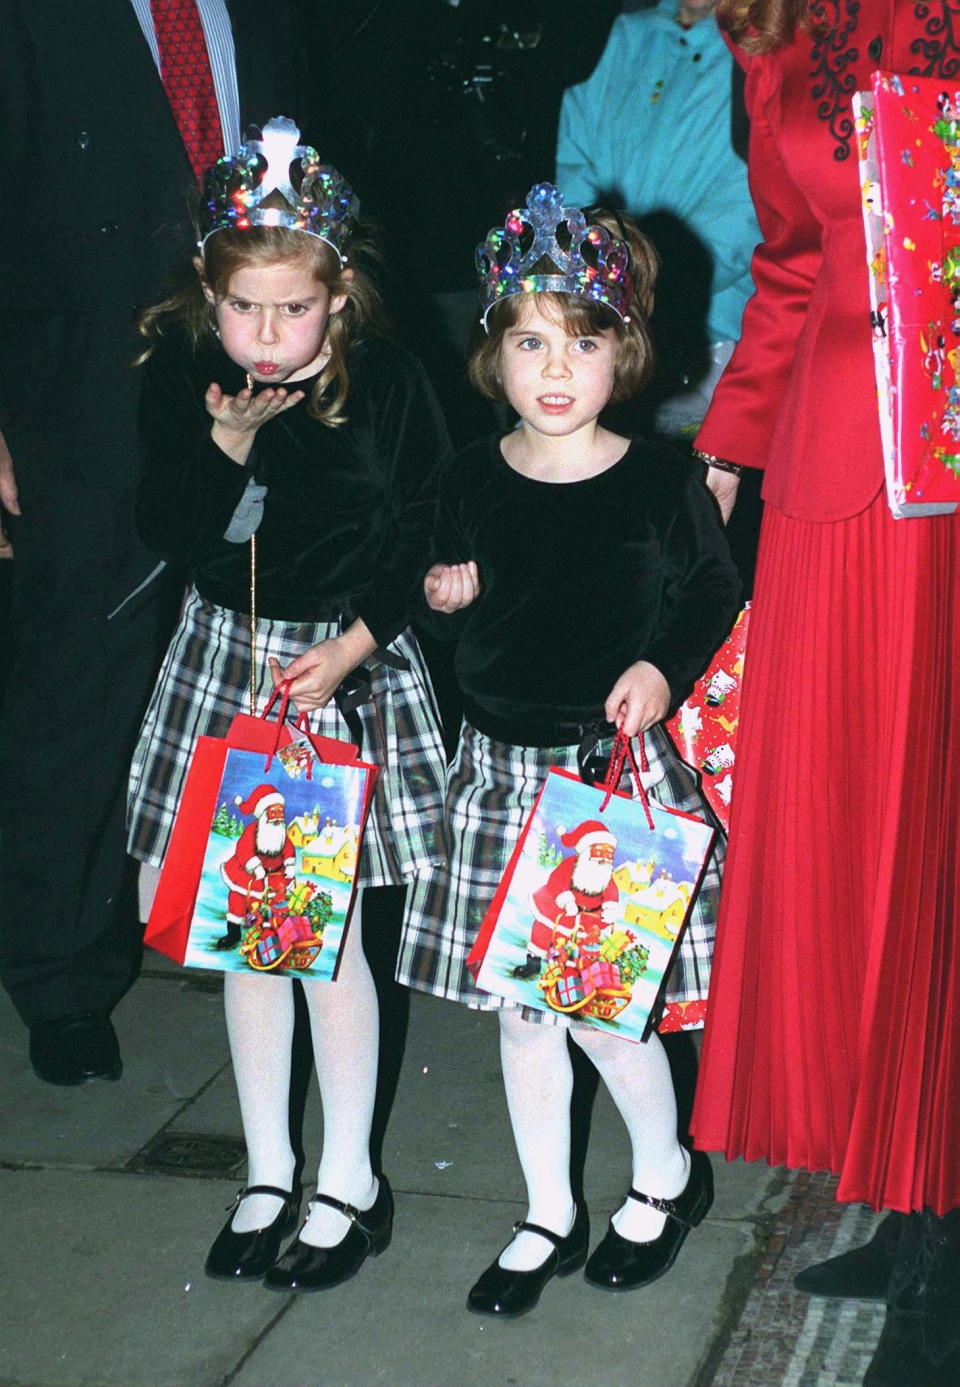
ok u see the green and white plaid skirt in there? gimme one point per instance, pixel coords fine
(491, 789)
(205, 680)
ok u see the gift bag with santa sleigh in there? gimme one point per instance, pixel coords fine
(589, 914)
(704, 728)
(260, 872)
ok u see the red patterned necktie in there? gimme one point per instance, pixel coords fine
(188, 80)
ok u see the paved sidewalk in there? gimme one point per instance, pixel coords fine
(794, 1340)
(112, 1193)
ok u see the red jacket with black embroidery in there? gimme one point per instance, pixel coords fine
(798, 398)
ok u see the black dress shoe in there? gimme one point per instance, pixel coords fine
(246, 1256)
(508, 1293)
(863, 1273)
(619, 1264)
(306, 1268)
(920, 1343)
(75, 1050)
(902, 1358)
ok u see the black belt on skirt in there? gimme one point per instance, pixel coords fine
(585, 736)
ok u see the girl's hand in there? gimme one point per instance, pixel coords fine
(724, 486)
(316, 674)
(450, 586)
(639, 698)
(236, 418)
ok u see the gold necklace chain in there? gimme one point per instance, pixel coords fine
(253, 608)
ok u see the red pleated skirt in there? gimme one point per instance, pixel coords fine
(833, 1030)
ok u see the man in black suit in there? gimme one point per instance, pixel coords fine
(96, 221)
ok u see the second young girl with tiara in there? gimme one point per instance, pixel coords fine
(589, 581)
(273, 404)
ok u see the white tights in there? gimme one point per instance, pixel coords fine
(538, 1078)
(344, 1025)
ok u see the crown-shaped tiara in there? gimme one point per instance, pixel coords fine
(585, 260)
(237, 185)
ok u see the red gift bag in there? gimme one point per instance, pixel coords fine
(704, 727)
(602, 953)
(260, 870)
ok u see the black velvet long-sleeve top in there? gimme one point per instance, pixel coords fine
(348, 511)
(578, 581)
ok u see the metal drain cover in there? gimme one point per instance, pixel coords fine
(190, 1153)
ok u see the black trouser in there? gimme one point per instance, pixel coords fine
(70, 938)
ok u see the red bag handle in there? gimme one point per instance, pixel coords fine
(623, 753)
(327, 748)
(281, 691)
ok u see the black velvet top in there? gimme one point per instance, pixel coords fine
(347, 513)
(578, 581)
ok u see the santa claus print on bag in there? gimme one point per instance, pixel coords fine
(580, 890)
(264, 861)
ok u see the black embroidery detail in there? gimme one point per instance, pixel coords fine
(831, 55)
(939, 49)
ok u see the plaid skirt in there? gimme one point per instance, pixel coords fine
(491, 789)
(205, 681)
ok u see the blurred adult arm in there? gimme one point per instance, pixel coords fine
(9, 498)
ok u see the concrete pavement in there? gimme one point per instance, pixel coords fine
(111, 1195)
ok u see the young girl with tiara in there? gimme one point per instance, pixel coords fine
(273, 404)
(588, 580)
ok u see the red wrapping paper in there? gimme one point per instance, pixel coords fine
(908, 138)
(704, 728)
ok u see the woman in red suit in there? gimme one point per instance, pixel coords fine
(833, 1041)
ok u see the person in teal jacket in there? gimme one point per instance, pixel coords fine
(650, 129)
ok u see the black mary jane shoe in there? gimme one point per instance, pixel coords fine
(506, 1293)
(618, 1264)
(247, 1256)
(306, 1268)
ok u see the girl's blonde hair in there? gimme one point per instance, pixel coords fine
(228, 251)
(580, 317)
(760, 26)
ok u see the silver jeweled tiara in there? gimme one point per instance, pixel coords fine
(235, 188)
(585, 260)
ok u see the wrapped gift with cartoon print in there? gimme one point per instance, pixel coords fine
(599, 975)
(301, 895)
(294, 929)
(267, 951)
(570, 991)
(704, 728)
(285, 941)
(908, 137)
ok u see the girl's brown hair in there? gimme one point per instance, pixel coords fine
(580, 317)
(760, 26)
(228, 251)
